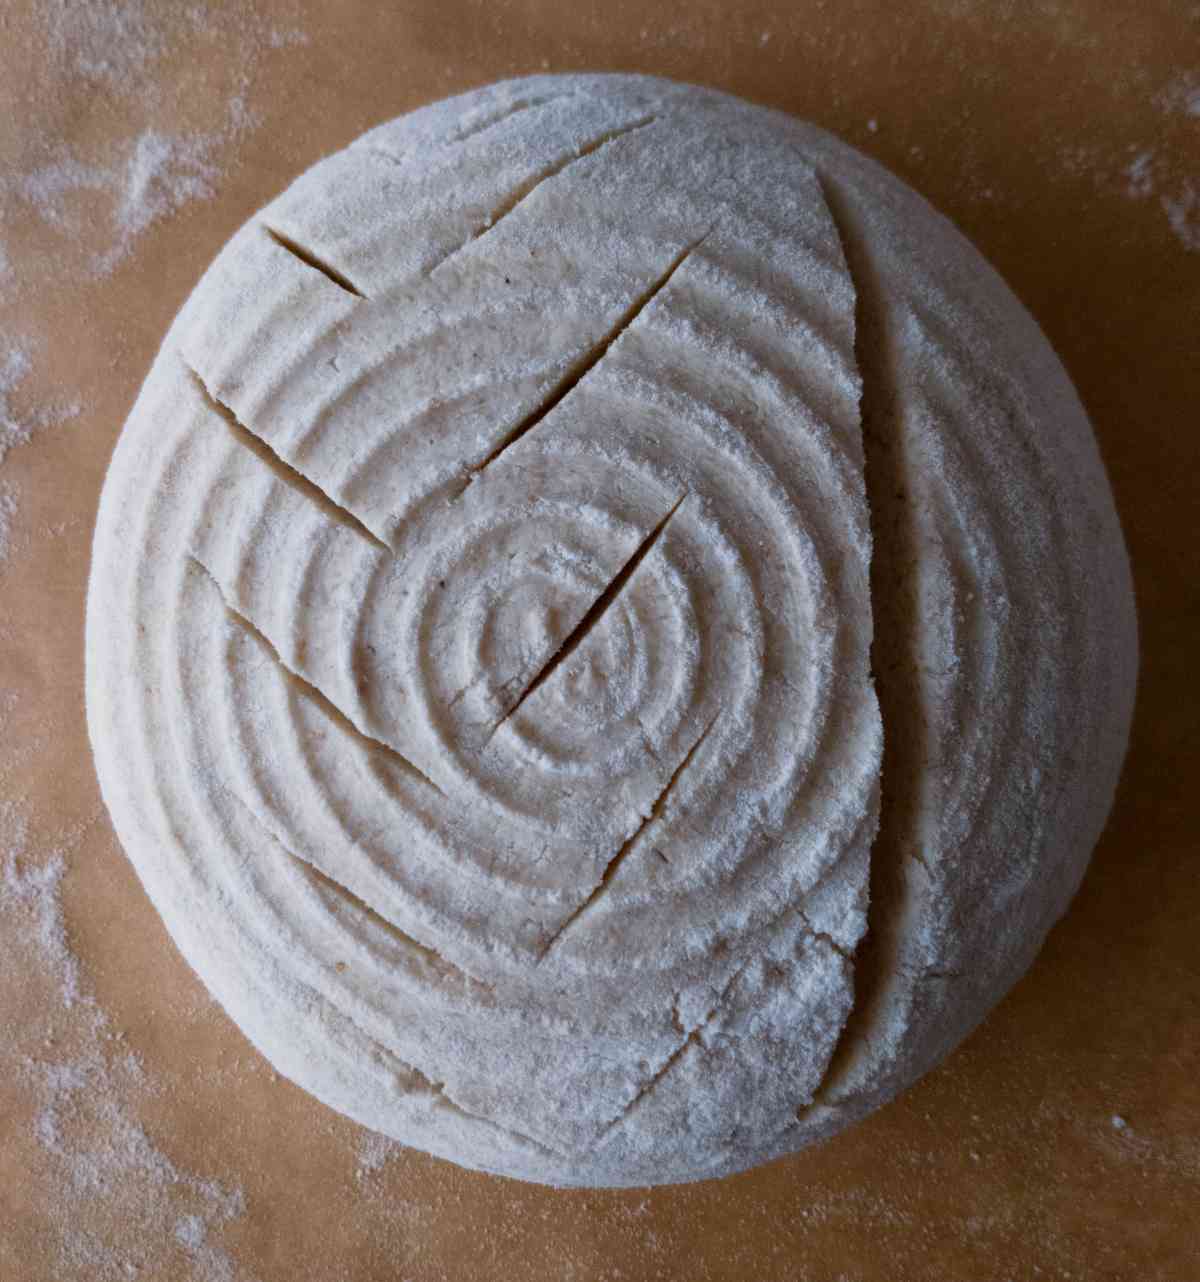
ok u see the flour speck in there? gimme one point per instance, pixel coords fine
(1181, 96)
(1139, 175)
(1180, 202)
(112, 1203)
(162, 175)
(1183, 214)
(102, 41)
(18, 428)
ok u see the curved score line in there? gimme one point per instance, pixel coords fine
(599, 607)
(309, 259)
(610, 869)
(525, 189)
(580, 368)
(893, 650)
(294, 479)
(327, 706)
(675, 1056)
(506, 112)
(430, 955)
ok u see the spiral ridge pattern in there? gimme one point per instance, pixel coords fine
(480, 634)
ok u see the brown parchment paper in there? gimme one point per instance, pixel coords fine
(1062, 137)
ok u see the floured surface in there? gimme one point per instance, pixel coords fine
(479, 632)
(541, 750)
(1007, 1137)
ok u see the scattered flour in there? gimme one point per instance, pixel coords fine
(98, 1197)
(37, 891)
(15, 428)
(1180, 203)
(154, 175)
(286, 39)
(1148, 173)
(8, 510)
(1152, 169)
(47, 189)
(117, 1207)
(374, 1152)
(102, 41)
(1181, 95)
(1183, 213)
(97, 202)
(117, 50)
(161, 175)
(110, 1203)
(1138, 172)
(1173, 1153)
(1152, 172)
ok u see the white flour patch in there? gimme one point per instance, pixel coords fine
(1182, 95)
(1146, 174)
(1152, 169)
(1170, 1152)
(1179, 201)
(374, 1152)
(1150, 174)
(1139, 175)
(1183, 213)
(37, 891)
(111, 1203)
(286, 39)
(161, 175)
(49, 187)
(155, 175)
(18, 428)
(101, 198)
(103, 42)
(8, 510)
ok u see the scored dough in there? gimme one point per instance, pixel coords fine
(484, 631)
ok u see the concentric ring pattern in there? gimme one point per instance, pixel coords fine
(484, 635)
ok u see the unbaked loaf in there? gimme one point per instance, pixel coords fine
(609, 643)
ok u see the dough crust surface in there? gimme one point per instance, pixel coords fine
(486, 647)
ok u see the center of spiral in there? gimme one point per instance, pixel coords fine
(596, 614)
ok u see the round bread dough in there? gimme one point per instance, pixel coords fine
(609, 643)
